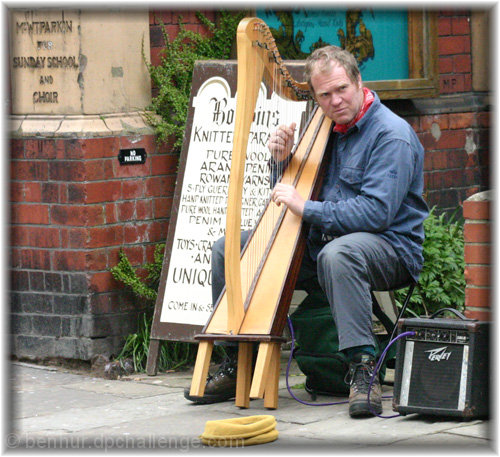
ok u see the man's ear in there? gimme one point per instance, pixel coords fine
(360, 82)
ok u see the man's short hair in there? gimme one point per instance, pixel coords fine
(322, 58)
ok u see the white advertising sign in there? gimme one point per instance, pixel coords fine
(201, 219)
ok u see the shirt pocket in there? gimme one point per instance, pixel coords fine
(350, 180)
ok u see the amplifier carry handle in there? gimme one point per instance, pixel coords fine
(451, 310)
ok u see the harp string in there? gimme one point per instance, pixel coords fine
(270, 213)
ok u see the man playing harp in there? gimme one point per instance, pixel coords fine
(366, 227)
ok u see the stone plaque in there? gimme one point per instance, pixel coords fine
(45, 61)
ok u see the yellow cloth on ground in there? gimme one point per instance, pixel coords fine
(240, 431)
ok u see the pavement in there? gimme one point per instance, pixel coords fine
(60, 408)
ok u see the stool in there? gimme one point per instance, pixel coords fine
(382, 316)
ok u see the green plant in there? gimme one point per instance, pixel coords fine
(442, 282)
(124, 272)
(172, 355)
(173, 76)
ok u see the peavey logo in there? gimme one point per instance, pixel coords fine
(436, 355)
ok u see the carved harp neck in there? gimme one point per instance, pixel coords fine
(258, 59)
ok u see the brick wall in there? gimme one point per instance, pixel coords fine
(73, 207)
(477, 234)
(454, 46)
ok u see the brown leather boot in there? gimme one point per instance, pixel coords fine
(220, 386)
(360, 373)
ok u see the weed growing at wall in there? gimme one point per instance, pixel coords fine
(173, 76)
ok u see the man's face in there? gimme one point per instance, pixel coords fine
(338, 96)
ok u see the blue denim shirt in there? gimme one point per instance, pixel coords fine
(373, 183)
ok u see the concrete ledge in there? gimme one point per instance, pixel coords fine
(81, 126)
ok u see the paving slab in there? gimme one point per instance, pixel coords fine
(58, 409)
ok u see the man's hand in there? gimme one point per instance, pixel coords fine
(288, 195)
(281, 142)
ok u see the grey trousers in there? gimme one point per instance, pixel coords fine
(347, 269)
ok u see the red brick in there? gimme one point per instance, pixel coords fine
(160, 186)
(44, 237)
(126, 210)
(467, 82)
(172, 31)
(73, 193)
(439, 119)
(135, 254)
(29, 170)
(16, 149)
(77, 215)
(105, 191)
(453, 45)
(444, 26)
(97, 148)
(135, 233)
(39, 149)
(460, 25)
(162, 207)
(477, 253)
(98, 170)
(477, 275)
(74, 237)
(428, 161)
(105, 236)
(164, 164)
(69, 261)
(157, 231)
(97, 259)
(144, 209)
(478, 314)
(67, 170)
(461, 120)
(462, 63)
(33, 192)
(16, 193)
(445, 65)
(451, 83)
(35, 259)
(477, 232)
(164, 17)
(451, 139)
(156, 56)
(131, 171)
(471, 191)
(476, 209)
(132, 188)
(478, 297)
(483, 119)
(103, 282)
(439, 160)
(70, 149)
(29, 214)
(111, 213)
(19, 235)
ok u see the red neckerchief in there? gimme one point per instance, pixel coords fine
(367, 101)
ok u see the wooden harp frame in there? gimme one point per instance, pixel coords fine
(255, 310)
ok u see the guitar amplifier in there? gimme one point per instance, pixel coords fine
(443, 369)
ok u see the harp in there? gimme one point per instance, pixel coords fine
(253, 307)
